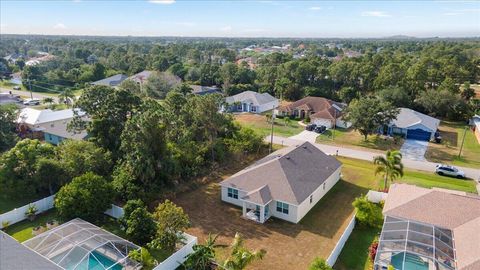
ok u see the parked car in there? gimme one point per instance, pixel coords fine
(320, 129)
(16, 87)
(310, 127)
(31, 101)
(448, 170)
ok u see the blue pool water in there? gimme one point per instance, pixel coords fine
(412, 262)
(100, 263)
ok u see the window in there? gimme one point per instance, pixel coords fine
(282, 208)
(311, 198)
(232, 193)
(253, 108)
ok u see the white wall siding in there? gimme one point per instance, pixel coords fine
(322, 122)
(318, 194)
(237, 202)
(292, 212)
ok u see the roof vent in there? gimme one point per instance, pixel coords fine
(287, 157)
(304, 147)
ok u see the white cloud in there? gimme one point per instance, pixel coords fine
(452, 13)
(186, 24)
(254, 30)
(315, 8)
(162, 2)
(375, 13)
(59, 26)
(226, 28)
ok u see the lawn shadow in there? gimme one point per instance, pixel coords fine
(449, 136)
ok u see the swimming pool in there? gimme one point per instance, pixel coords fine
(412, 262)
(95, 261)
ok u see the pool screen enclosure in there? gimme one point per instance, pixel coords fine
(79, 245)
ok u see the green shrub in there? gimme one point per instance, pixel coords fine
(368, 213)
(319, 264)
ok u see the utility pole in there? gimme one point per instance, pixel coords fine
(30, 86)
(463, 141)
(334, 124)
(271, 132)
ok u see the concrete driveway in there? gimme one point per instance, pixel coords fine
(305, 136)
(414, 149)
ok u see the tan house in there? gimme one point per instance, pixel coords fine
(322, 111)
(429, 229)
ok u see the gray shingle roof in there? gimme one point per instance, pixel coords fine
(251, 97)
(291, 174)
(260, 196)
(14, 255)
(408, 118)
(114, 80)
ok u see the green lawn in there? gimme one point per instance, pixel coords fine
(22, 230)
(260, 125)
(447, 152)
(363, 173)
(350, 137)
(7, 203)
(354, 255)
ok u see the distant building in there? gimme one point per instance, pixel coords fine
(49, 125)
(250, 101)
(141, 77)
(13, 58)
(112, 81)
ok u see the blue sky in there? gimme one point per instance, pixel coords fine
(242, 18)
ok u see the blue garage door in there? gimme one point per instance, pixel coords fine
(418, 134)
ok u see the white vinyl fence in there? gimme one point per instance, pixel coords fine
(376, 196)
(341, 242)
(18, 214)
(177, 258)
(115, 211)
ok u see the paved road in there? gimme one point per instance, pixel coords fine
(367, 155)
(38, 95)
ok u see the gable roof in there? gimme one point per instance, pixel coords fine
(408, 118)
(251, 97)
(34, 117)
(114, 80)
(60, 128)
(321, 107)
(290, 174)
(141, 76)
(204, 90)
(14, 255)
(456, 211)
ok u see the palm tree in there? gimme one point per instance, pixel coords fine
(66, 96)
(48, 100)
(240, 257)
(203, 256)
(390, 166)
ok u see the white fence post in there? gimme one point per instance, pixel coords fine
(341, 242)
(18, 214)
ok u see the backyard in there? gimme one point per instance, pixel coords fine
(294, 246)
(447, 152)
(261, 126)
(352, 138)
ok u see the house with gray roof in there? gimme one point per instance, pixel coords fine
(112, 81)
(205, 90)
(285, 184)
(250, 101)
(429, 229)
(413, 125)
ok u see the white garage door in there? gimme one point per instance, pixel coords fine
(322, 122)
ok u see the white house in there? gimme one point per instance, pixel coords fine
(285, 184)
(413, 125)
(250, 101)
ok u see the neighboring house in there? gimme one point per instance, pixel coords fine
(322, 111)
(250, 101)
(205, 90)
(475, 122)
(13, 58)
(285, 184)
(429, 229)
(14, 255)
(112, 81)
(413, 125)
(47, 124)
(141, 77)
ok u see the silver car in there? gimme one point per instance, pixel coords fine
(448, 170)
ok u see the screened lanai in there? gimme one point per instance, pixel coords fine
(79, 245)
(406, 245)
